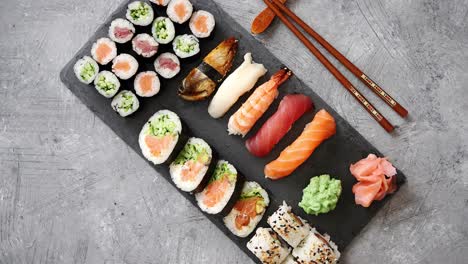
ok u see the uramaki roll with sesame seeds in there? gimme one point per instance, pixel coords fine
(268, 247)
(316, 248)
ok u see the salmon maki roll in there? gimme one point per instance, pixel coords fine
(121, 30)
(245, 118)
(202, 24)
(159, 136)
(104, 51)
(190, 167)
(140, 13)
(248, 210)
(124, 66)
(216, 195)
(147, 84)
(161, 2)
(179, 11)
(86, 70)
(145, 45)
(125, 103)
(322, 127)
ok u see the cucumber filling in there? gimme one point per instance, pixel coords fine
(140, 12)
(127, 102)
(88, 71)
(161, 126)
(105, 85)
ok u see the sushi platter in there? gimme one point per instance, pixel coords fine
(179, 82)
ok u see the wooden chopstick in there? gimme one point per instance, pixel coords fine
(348, 64)
(333, 70)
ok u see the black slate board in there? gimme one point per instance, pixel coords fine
(333, 157)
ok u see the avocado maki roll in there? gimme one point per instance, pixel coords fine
(86, 69)
(163, 30)
(107, 84)
(159, 136)
(140, 13)
(125, 103)
(186, 46)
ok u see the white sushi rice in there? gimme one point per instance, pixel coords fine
(186, 46)
(123, 74)
(140, 13)
(230, 219)
(162, 70)
(161, 2)
(107, 84)
(200, 197)
(172, 14)
(176, 169)
(145, 131)
(86, 69)
(163, 30)
(121, 23)
(155, 86)
(316, 249)
(110, 56)
(125, 103)
(210, 23)
(292, 228)
(289, 260)
(267, 247)
(149, 40)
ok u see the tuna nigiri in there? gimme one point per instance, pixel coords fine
(245, 118)
(322, 127)
(290, 109)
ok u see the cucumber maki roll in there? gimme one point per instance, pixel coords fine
(186, 46)
(140, 13)
(163, 30)
(125, 103)
(159, 136)
(190, 167)
(107, 84)
(86, 69)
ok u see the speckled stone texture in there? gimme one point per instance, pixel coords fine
(72, 192)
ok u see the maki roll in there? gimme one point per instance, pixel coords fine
(147, 84)
(268, 247)
(167, 65)
(316, 249)
(124, 66)
(202, 24)
(104, 51)
(107, 84)
(202, 81)
(217, 194)
(125, 103)
(292, 228)
(248, 210)
(145, 45)
(179, 11)
(121, 30)
(161, 2)
(186, 46)
(86, 69)
(159, 136)
(163, 30)
(190, 168)
(140, 13)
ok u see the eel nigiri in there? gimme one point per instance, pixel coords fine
(322, 127)
(245, 118)
(290, 109)
(201, 82)
(239, 82)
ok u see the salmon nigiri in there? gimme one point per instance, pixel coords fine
(245, 118)
(322, 127)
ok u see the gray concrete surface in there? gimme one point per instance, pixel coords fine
(71, 192)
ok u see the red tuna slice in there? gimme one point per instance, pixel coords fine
(168, 63)
(145, 46)
(121, 32)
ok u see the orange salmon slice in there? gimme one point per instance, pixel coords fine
(201, 24)
(215, 191)
(247, 210)
(122, 66)
(157, 144)
(102, 51)
(192, 169)
(146, 83)
(180, 10)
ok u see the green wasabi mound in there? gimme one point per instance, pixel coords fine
(321, 195)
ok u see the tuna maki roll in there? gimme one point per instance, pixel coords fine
(104, 51)
(121, 30)
(124, 66)
(268, 247)
(248, 210)
(202, 24)
(190, 167)
(167, 65)
(316, 248)
(147, 84)
(107, 84)
(161, 2)
(140, 13)
(163, 30)
(179, 11)
(125, 103)
(219, 190)
(159, 136)
(186, 46)
(86, 69)
(145, 45)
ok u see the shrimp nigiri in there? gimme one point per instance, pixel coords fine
(245, 118)
(322, 127)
